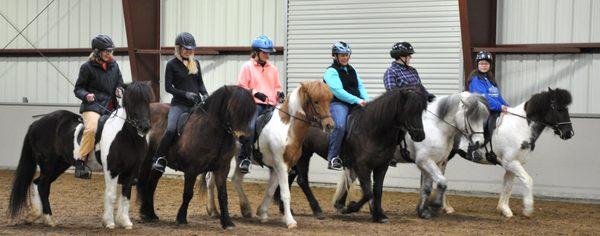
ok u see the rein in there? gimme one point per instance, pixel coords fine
(313, 123)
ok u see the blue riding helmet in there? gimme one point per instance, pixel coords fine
(340, 48)
(263, 43)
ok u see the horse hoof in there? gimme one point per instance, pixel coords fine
(449, 210)
(32, 218)
(231, 227)
(128, 227)
(247, 214)
(228, 226)
(292, 225)
(149, 218)
(425, 214)
(49, 221)
(110, 226)
(382, 220)
(319, 216)
(505, 212)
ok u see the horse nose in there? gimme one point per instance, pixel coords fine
(328, 128)
(477, 143)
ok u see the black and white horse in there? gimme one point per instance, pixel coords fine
(51, 142)
(515, 136)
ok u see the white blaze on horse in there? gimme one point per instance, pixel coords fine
(52, 140)
(280, 144)
(515, 137)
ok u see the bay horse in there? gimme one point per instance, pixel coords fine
(51, 143)
(280, 144)
(207, 143)
(515, 136)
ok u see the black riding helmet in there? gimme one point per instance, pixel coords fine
(484, 55)
(401, 49)
(186, 40)
(102, 42)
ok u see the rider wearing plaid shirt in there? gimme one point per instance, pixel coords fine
(400, 74)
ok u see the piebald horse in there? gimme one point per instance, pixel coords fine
(51, 143)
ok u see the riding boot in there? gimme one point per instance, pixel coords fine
(159, 164)
(244, 164)
(245, 152)
(81, 170)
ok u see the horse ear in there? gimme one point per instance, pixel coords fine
(549, 89)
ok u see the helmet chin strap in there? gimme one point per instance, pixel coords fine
(403, 61)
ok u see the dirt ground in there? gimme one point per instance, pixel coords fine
(77, 205)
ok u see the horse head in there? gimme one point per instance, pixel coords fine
(410, 105)
(471, 116)
(136, 101)
(551, 108)
(313, 98)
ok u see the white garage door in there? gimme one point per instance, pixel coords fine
(371, 28)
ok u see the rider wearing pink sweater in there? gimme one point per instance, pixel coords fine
(262, 79)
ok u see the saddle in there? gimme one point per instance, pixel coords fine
(261, 121)
(99, 129)
(488, 131)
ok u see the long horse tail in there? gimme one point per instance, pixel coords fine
(23, 177)
(344, 184)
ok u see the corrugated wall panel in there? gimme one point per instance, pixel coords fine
(65, 24)
(223, 23)
(36, 79)
(550, 21)
(371, 28)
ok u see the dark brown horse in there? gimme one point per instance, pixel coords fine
(207, 143)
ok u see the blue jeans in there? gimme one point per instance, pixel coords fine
(247, 141)
(167, 139)
(339, 113)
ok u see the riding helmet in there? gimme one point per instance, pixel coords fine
(401, 49)
(263, 43)
(185, 40)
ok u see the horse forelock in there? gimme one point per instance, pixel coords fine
(539, 103)
(136, 94)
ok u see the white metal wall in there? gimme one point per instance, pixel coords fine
(550, 21)
(371, 28)
(65, 24)
(222, 23)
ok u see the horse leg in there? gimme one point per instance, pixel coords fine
(377, 211)
(302, 170)
(426, 186)
(188, 193)
(364, 177)
(40, 197)
(261, 212)
(147, 187)
(282, 175)
(221, 182)
(503, 206)
(436, 175)
(122, 218)
(207, 181)
(110, 196)
(446, 206)
(237, 180)
(277, 197)
(518, 170)
(344, 184)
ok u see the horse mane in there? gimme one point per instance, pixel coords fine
(447, 105)
(404, 102)
(137, 92)
(540, 102)
(477, 107)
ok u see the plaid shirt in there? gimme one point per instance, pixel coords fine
(398, 76)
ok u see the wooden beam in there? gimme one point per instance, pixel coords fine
(542, 48)
(123, 51)
(142, 24)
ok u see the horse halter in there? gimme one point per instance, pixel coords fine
(316, 119)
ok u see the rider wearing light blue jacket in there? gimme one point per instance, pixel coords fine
(348, 90)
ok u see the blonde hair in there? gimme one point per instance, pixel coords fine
(190, 64)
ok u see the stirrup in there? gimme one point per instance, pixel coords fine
(245, 166)
(335, 164)
(157, 166)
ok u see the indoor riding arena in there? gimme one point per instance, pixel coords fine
(437, 117)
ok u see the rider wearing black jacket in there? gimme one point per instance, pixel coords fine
(183, 79)
(98, 85)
